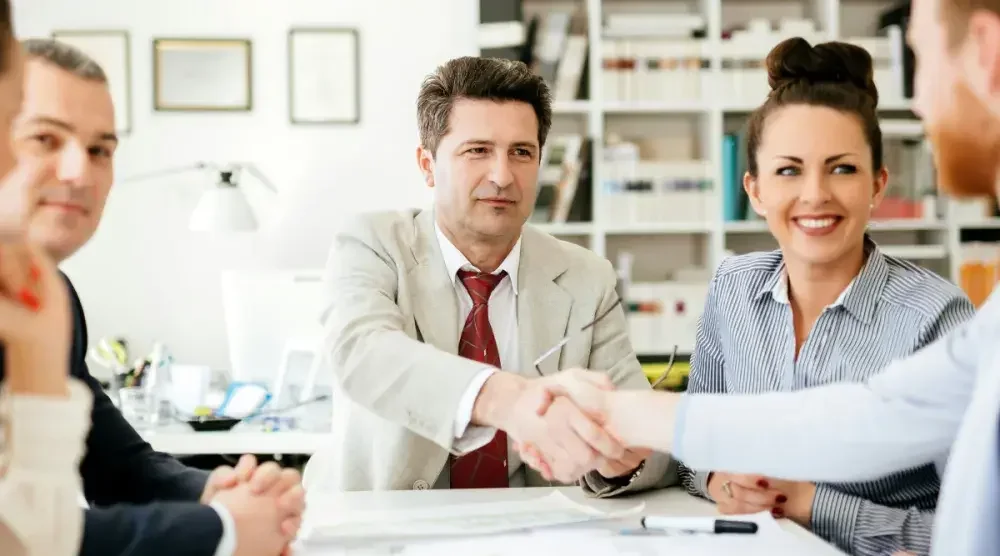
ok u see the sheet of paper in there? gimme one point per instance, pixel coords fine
(460, 519)
(586, 542)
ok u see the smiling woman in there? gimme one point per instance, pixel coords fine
(828, 306)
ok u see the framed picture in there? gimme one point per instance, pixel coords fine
(324, 76)
(202, 75)
(112, 51)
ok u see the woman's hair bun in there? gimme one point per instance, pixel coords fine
(795, 60)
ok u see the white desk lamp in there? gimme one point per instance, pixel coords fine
(224, 207)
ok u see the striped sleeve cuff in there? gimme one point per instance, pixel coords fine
(834, 515)
(695, 482)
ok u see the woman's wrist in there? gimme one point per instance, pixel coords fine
(33, 372)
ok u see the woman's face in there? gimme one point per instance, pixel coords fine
(11, 92)
(815, 186)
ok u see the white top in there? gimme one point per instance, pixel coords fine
(41, 445)
(502, 310)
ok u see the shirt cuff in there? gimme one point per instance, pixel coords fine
(700, 483)
(47, 434)
(227, 543)
(680, 422)
(469, 438)
(834, 515)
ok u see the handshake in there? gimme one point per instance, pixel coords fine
(571, 423)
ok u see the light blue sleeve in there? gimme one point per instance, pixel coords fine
(905, 416)
(707, 375)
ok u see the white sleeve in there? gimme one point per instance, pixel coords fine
(39, 476)
(905, 416)
(469, 438)
(227, 544)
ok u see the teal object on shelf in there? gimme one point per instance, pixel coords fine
(732, 188)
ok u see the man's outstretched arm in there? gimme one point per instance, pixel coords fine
(907, 415)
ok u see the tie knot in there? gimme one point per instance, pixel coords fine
(480, 285)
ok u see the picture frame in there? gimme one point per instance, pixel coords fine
(202, 75)
(324, 75)
(112, 50)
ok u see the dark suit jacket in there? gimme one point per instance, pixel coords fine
(142, 502)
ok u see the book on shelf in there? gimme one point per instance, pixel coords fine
(557, 51)
(564, 181)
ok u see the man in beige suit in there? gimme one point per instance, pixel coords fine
(436, 317)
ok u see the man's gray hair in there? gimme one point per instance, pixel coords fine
(65, 57)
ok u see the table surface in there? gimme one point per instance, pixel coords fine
(672, 501)
(180, 439)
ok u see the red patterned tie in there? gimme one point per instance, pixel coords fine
(487, 466)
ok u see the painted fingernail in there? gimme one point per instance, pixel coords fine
(34, 272)
(762, 483)
(29, 299)
(777, 512)
(781, 499)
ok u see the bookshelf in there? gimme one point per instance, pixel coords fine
(713, 99)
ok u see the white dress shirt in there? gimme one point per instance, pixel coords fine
(227, 544)
(502, 310)
(39, 477)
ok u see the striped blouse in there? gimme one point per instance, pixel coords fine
(745, 344)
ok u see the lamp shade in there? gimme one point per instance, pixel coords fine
(223, 209)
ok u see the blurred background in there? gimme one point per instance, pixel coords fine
(316, 98)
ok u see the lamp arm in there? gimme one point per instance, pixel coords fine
(260, 176)
(170, 172)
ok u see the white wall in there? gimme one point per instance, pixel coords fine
(144, 275)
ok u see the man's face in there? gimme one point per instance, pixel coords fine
(70, 121)
(956, 96)
(485, 170)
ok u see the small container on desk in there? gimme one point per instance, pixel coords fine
(139, 407)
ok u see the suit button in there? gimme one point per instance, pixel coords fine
(420, 484)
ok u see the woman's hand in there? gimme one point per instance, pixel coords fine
(800, 496)
(745, 494)
(37, 337)
(748, 494)
(19, 192)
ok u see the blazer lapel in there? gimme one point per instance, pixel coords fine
(543, 306)
(434, 305)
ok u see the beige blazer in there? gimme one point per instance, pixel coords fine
(391, 335)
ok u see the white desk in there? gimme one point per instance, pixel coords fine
(182, 440)
(673, 501)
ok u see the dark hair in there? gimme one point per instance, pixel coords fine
(6, 34)
(65, 57)
(836, 75)
(478, 78)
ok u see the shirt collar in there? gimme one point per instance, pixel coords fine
(859, 297)
(780, 289)
(454, 260)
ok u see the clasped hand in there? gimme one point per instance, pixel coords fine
(265, 501)
(559, 429)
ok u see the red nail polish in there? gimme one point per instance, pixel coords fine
(777, 512)
(781, 499)
(29, 299)
(762, 483)
(34, 272)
